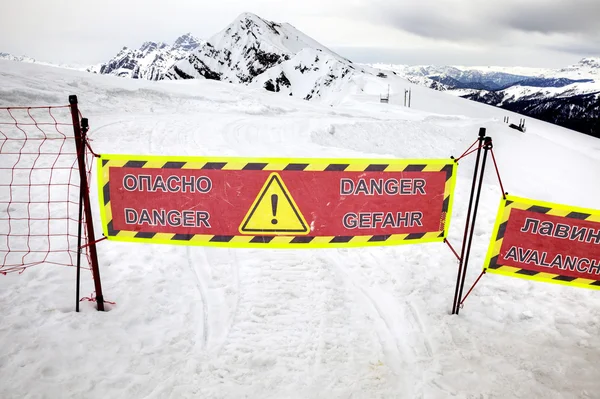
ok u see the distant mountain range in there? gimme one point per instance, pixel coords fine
(10, 57)
(569, 97)
(150, 61)
(280, 58)
(24, 58)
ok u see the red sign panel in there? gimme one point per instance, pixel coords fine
(546, 242)
(275, 202)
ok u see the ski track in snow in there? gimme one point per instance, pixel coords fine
(331, 323)
(393, 332)
(201, 279)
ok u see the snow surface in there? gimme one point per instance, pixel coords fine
(329, 323)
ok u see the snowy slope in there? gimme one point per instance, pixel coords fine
(312, 75)
(150, 61)
(337, 323)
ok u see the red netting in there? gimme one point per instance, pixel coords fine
(39, 188)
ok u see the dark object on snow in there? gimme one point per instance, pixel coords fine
(520, 128)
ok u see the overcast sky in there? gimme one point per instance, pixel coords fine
(540, 33)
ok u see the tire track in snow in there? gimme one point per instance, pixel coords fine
(378, 312)
(411, 312)
(151, 138)
(420, 328)
(203, 296)
(402, 336)
(216, 276)
(225, 294)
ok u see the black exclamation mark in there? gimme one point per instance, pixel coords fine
(274, 199)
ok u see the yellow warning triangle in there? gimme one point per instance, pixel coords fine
(274, 211)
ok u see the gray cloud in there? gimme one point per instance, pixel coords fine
(451, 20)
(554, 16)
(530, 22)
(589, 49)
(438, 26)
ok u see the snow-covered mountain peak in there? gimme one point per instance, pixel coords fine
(252, 24)
(246, 48)
(586, 67)
(187, 42)
(592, 62)
(251, 31)
(150, 61)
(152, 46)
(250, 21)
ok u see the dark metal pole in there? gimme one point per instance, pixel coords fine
(79, 249)
(487, 146)
(462, 252)
(79, 235)
(80, 145)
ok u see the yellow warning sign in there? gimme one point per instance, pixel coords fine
(274, 211)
